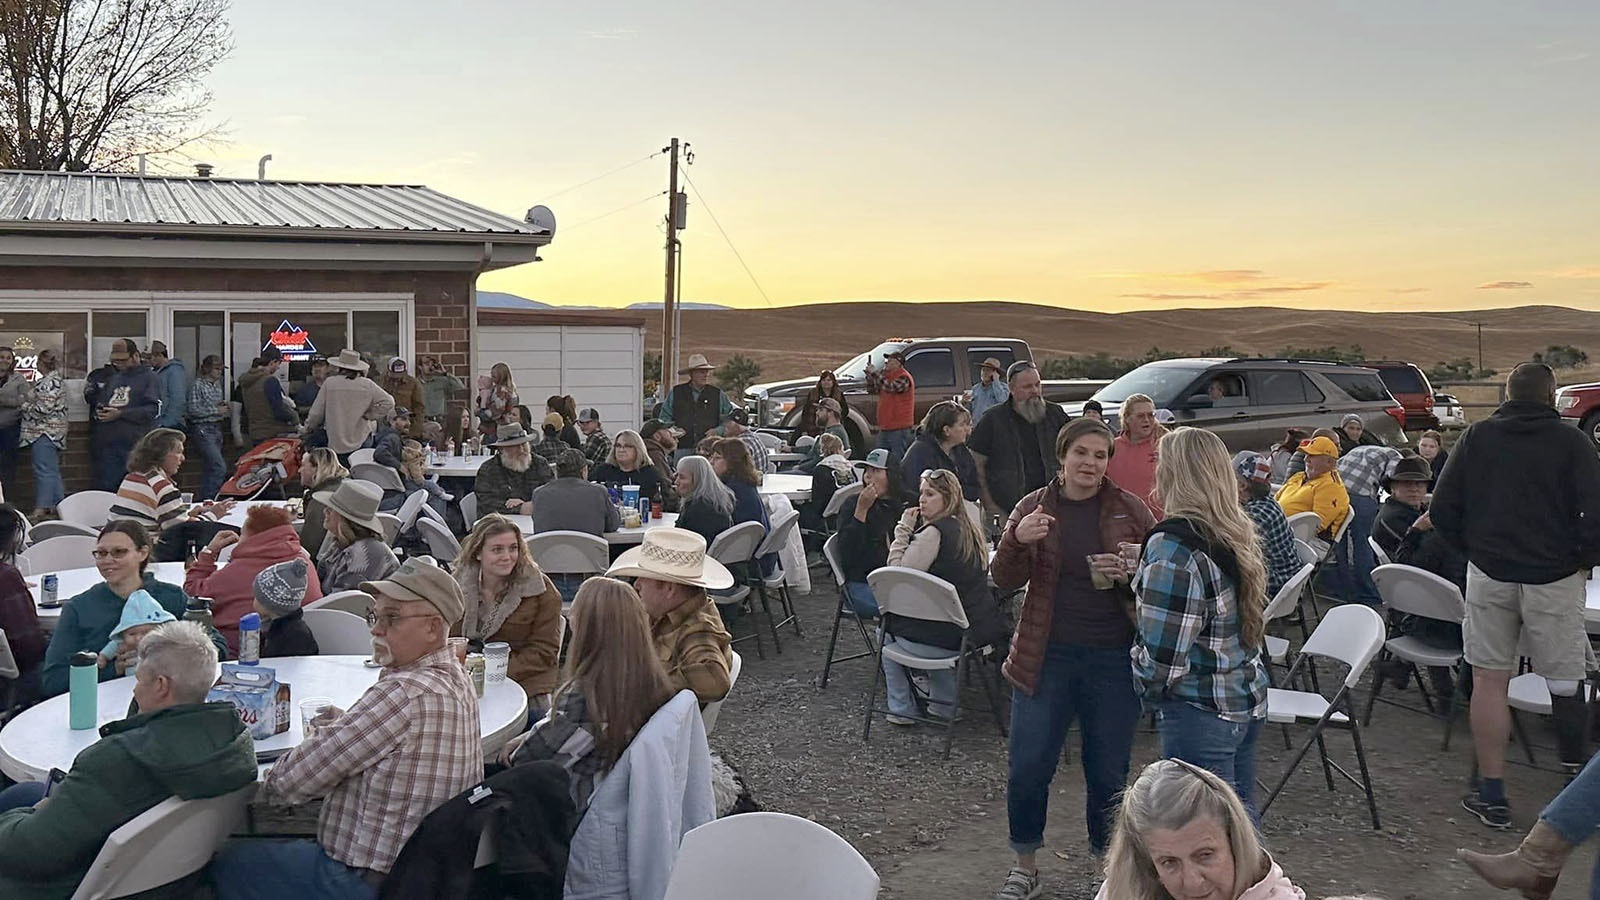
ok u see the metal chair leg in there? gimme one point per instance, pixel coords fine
(833, 642)
(1366, 776)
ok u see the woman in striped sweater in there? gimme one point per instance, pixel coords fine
(148, 495)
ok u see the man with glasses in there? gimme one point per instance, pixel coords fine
(123, 410)
(1014, 443)
(410, 743)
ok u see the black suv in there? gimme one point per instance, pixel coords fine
(1250, 403)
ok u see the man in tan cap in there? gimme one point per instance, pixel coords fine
(410, 743)
(990, 390)
(672, 572)
(696, 405)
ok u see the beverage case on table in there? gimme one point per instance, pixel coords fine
(260, 698)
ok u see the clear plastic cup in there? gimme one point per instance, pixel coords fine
(459, 646)
(186, 498)
(310, 709)
(496, 657)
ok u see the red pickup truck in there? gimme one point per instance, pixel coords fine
(1581, 404)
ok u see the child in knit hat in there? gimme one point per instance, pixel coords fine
(140, 616)
(279, 590)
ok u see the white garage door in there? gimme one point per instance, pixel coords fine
(600, 366)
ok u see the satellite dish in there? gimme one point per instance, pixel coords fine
(541, 217)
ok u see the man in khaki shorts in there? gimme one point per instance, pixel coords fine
(1520, 497)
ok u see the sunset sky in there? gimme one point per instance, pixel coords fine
(1108, 155)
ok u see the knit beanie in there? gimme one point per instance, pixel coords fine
(281, 588)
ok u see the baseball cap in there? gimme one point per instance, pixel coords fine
(877, 459)
(831, 405)
(1252, 466)
(737, 414)
(397, 365)
(588, 415)
(1320, 446)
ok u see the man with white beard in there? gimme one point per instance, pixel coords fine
(1015, 444)
(505, 484)
(410, 743)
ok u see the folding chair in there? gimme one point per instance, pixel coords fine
(570, 553)
(830, 514)
(90, 508)
(60, 553)
(9, 673)
(790, 858)
(1407, 590)
(165, 843)
(1305, 525)
(469, 509)
(410, 509)
(363, 455)
(734, 548)
(339, 633)
(1530, 693)
(846, 609)
(1378, 553)
(357, 603)
(914, 594)
(391, 526)
(1351, 635)
(777, 536)
(1282, 605)
(384, 477)
(441, 543)
(51, 528)
(714, 708)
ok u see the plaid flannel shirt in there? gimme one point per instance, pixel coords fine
(1364, 468)
(695, 649)
(1187, 646)
(410, 743)
(597, 448)
(1277, 542)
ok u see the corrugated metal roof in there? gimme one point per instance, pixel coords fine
(176, 205)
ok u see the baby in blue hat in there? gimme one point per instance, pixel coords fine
(140, 616)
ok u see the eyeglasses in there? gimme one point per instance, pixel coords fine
(118, 553)
(388, 620)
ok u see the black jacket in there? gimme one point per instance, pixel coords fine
(700, 518)
(1521, 496)
(864, 546)
(925, 453)
(986, 624)
(289, 636)
(1426, 550)
(535, 819)
(1002, 438)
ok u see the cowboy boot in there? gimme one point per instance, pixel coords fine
(1532, 868)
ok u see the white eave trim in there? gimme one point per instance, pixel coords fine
(46, 250)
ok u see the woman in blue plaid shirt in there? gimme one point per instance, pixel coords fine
(1202, 592)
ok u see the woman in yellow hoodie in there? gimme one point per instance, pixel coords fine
(1318, 489)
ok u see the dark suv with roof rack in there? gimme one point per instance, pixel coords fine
(1250, 403)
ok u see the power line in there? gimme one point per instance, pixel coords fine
(736, 254)
(569, 228)
(622, 168)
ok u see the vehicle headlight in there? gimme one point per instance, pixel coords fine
(1566, 401)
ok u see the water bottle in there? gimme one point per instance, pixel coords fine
(83, 689)
(198, 609)
(250, 639)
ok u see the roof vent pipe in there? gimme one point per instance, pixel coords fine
(202, 170)
(261, 167)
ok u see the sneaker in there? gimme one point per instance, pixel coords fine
(1020, 885)
(893, 719)
(1494, 815)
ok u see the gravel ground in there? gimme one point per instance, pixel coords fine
(936, 828)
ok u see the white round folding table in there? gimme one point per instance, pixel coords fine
(796, 487)
(72, 582)
(459, 466)
(38, 739)
(621, 536)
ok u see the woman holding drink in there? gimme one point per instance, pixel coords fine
(1069, 657)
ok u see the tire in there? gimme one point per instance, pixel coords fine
(1591, 427)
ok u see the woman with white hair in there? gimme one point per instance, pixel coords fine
(705, 504)
(1183, 833)
(629, 463)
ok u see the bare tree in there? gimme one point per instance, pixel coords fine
(90, 84)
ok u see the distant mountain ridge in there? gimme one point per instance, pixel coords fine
(501, 300)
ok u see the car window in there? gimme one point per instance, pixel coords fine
(1359, 386)
(1403, 380)
(1161, 382)
(931, 368)
(1277, 387)
(976, 355)
(856, 368)
(1225, 389)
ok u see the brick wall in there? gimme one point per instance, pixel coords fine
(440, 324)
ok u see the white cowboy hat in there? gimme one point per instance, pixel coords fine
(673, 554)
(348, 359)
(696, 361)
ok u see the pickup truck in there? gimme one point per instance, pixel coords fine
(1580, 404)
(944, 368)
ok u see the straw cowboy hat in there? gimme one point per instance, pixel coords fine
(696, 361)
(348, 359)
(510, 435)
(355, 500)
(676, 555)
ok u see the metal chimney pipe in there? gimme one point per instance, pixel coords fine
(261, 167)
(203, 170)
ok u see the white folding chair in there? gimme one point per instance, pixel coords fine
(788, 857)
(1305, 526)
(60, 553)
(51, 528)
(714, 708)
(570, 553)
(169, 841)
(846, 610)
(1416, 592)
(91, 508)
(384, 477)
(441, 543)
(363, 455)
(357, 603)
(1351, 635)
(236, 422)
(339, 633)
(410, 509)
(1283, 604)
(782, 526)
(1378, 553)
(391, 526)
(469, 508)
(733, 548)
(914, 594)
(9, 673)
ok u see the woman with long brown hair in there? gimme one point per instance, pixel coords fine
(1202, 592)
(509, 599)
(566, 407)
(613, 683)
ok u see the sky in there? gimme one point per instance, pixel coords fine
(1380, 155)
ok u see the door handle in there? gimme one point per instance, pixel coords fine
(1241, 415)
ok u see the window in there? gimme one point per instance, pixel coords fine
(1160, 381)
(976, 355)
(932, 368)
(197, 335)
(1359, 386)
(66, 333)
(377, 338)
(1275, 388)
(111, 326)
(1403, 380)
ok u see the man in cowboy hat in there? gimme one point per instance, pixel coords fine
(506, 482)
(695, 405)
(407, 392)
(348, 405)
(990, 391)
(1405, 530)
(672, 572)
(410, 743)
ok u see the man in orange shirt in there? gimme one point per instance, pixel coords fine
(897, 405)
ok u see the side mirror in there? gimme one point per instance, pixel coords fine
(1198, 401)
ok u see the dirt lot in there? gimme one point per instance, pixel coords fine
(937, 829)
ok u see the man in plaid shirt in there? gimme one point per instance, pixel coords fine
(1272, 529)
(596, 444)
(410, 743)
(1362, 469)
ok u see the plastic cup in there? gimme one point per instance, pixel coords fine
(630, 496)
(458, 646)
(1100, 581)
(186, 498)
(310, 709)
(496, 657)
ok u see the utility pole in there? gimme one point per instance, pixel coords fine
(1480, 345)
(669, 332)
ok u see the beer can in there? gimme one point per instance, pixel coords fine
(51, 585)
(644, 508)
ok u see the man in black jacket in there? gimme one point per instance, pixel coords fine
(124, 411)
(864, 534)
(1014, 444)
(1521, 498)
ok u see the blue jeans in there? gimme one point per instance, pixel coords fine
(567, 584)
(1355, 554)
(48, 490)
(860, 595)
(1574, 814)
(213, 468)
(897, 442)
(110, 462)
(1213, 743)
(19, 795)
(897, 680)
(1090, 685)
(284, 870)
